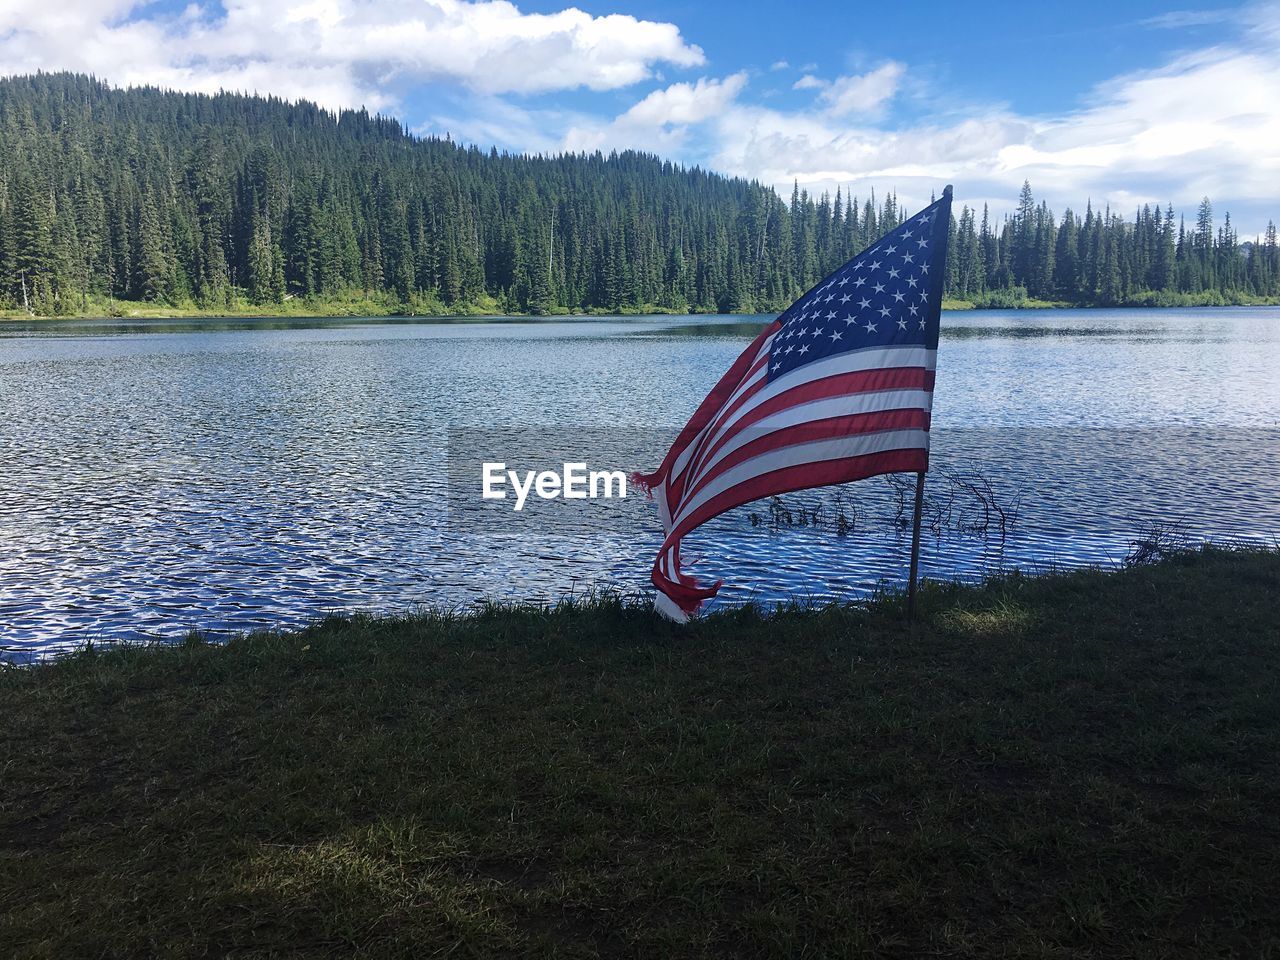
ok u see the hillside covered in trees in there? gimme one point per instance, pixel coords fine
(214, 202)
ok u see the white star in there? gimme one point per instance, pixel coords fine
(846, 298)
(871, 327)
(843, 281)
(897, 296)
(924, 297)
(884, 311)
(902, 323)
(835, 335)
(924, 268)
(912, 308)
(922, 243)
(777, 365)
(908, 258)
(911, 281)
(804, 348)
(829, 298)
(817, 330)
(788, 350)
(907, 235)
(893, 274)
(890, 249)
(878, 288)
(803, 332)
(831, 315)
(858, 265)
(850, 319)
(922, 323)
(873, 250)
(860, 281)
(864, 303)
(875, 264)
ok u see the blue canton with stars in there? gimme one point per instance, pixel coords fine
(888, 295)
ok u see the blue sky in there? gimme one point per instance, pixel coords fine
(1121, 103)
(1036, 57)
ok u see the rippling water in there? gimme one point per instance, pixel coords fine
(225, 475)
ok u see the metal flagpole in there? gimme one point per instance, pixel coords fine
(915, 547)
(913, 584)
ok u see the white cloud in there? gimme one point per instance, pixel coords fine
(808, 82)
(1205, 123)
(683, 103)
(779, 65)
(663, 118)
(339, 52)
(494, 121)
(863, 93)
(1178, 19)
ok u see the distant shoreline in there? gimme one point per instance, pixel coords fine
(132, 310)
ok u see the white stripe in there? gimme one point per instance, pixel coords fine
(819, 451)
(855, 361)
(667, 607)
(870, 358)
(682, 461)
(839, 406)
(764, 347)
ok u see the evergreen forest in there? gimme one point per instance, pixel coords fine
(110, 196)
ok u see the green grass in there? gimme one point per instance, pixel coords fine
(356, 304)
(352, 304)
(1017, 300)
(1080, 765)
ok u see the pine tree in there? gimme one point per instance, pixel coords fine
(1066, 270)
(32, 244)
(266, 274)
(154, 279)
(1202, 245)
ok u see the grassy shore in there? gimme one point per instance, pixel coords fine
(384, 305)
(1078, 765)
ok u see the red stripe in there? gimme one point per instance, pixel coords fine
(710, 406)
(848, 425)
(676, 484)
(840, 384)
(803, 475)
(799, 476)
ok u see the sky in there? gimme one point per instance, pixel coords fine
(1119, 103)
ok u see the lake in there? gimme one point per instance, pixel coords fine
(160, 476)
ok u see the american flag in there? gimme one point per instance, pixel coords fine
(838, 388)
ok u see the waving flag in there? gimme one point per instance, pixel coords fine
(839, 387)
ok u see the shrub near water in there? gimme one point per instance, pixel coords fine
(1075, 765)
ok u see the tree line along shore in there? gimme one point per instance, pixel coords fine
(142, 201)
